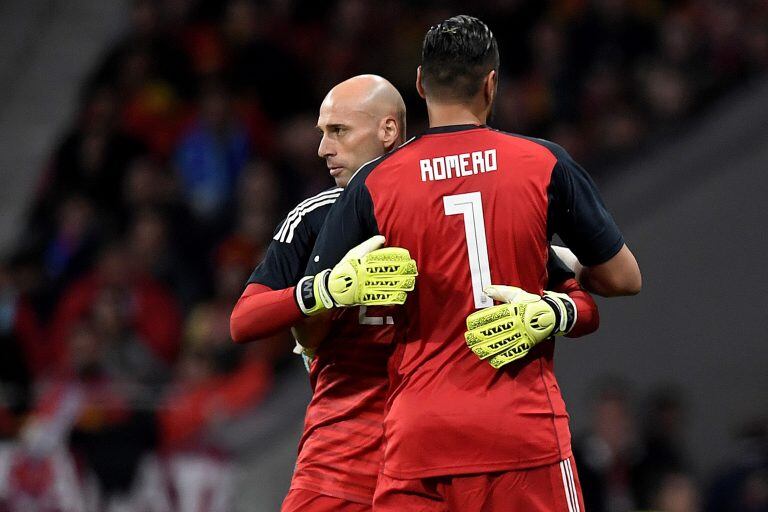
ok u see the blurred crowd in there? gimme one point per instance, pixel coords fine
(196, 133)
(634, 455)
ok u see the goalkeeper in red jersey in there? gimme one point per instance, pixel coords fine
(486, 428)
(340, 450)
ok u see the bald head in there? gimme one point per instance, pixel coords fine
(361, 119)
(369, 94)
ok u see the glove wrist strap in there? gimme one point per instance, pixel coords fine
(312, 295)
(565, 311)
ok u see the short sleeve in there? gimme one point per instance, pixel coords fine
(284, 263)
(350, 222)
(288, 252)
(579, 216)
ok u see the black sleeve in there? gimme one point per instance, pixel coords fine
(557, 271)
(291, 245)
(350, 222)
(284, 263)
(577, 213)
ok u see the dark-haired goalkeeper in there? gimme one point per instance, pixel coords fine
(482, 429)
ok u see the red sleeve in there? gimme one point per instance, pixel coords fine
(262, 312)
(587, 315)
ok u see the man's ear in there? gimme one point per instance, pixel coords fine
(389, 132)
(490, 86)
(419, 86)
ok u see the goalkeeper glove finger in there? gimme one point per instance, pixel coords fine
(366, 275)
(507, 332)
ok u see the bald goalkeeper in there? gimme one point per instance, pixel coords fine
(340, 449)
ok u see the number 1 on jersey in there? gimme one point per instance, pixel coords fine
(470, 205)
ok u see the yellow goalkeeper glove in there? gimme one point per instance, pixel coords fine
(366, 275)
(505, 333)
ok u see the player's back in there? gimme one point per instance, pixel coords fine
(471, 205)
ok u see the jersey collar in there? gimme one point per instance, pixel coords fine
(453, 128)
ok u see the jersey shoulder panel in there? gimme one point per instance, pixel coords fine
(288, 253)
(576, 210)
(554, 148)
(312, 210)
(546, 147)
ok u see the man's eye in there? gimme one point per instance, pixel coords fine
(339, 130)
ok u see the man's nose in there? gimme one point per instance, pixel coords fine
(325, 149)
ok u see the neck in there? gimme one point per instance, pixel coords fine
(446, 114)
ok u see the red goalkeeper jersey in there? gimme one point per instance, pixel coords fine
(340, 449)
(474, 206)
(340, 452)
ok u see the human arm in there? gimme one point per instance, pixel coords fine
(268, 304)
(364, 275)
(261, 312)
(605, 265)
(563, 280)
(507, 332)
(619, 274)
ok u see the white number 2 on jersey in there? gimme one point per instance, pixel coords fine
(364, 319)
(470, 205)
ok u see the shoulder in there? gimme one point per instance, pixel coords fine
(361, 175)
(313, 209)
(543, 145)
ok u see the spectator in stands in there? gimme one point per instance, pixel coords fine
(20, 353)
(259, 188)
(71, 246)
(149, 186)
(154, 253)
(608, 453)
(151, 110)
(257, 201)
(161, 58)
(663, 454)
(676, 492)
(742, 485)
(125, 356)
(90, 162)
(151, 309)
(216, 378)
(254, 53)
(211, 155)
(91, 404)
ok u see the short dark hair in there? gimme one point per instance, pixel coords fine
(456, 55)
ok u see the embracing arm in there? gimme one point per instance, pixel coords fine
(577, 213)
(562, 279)
(618, 276)
(587, 314)
(261, 312)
